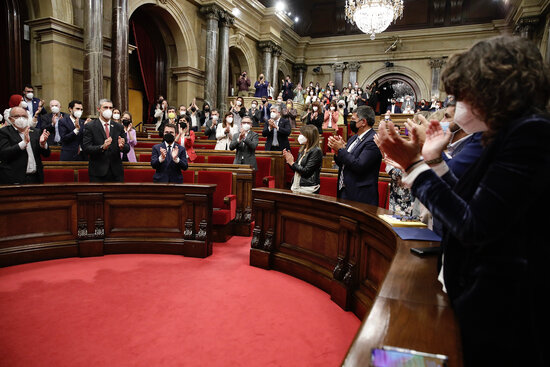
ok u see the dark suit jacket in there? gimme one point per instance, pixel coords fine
(69, 140)
(99, 160)
(168, 171)
(317, 122)
(246, 150)
(265, 112)
(282, 135)
(288, 90)
(397, 109)
(361, 168)
(495, 245)
(35, 102)
(209, 131)
(255, 116)
(45, 123)
(13, 159)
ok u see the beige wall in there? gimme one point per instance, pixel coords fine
(57, 47)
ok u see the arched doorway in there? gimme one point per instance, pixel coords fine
(396, 86)
(237, 64)
(150, 32)
(15, 65)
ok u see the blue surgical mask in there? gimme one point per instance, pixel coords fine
(444, 125)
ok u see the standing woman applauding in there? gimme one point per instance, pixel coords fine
(224, 132)
(307, 167)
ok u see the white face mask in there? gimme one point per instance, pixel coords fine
(215, 117)
(55, 109)
(238, 103)
(182, 112)
(332, 108)
(315, 108)
(444, 125)
(246, 127)
(21, 123)
(107, 114)
(302, 139)
(337, 93)
(273, 115)
(30, 95)
(229, 120)
(116, 116)
(465, 118)
(279, 101)
(23, 104)
(254, 105)
(77, 114)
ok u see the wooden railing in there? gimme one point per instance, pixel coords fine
(354, 256)
(42, 222)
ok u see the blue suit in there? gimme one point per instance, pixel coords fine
(360, 170)
(168, 171)
(397, 109)
(265, 112)
(35, 102)
(283, 132)
(69, 140)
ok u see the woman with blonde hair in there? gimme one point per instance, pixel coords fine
(307, 168)
(225, 131)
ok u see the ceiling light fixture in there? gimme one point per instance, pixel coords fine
(373, 16)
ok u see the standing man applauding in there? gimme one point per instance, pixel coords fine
(20, 150)
(245, 142)
(168, 158)
(103, 142)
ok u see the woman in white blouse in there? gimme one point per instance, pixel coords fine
(224, 132)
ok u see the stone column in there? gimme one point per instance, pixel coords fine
(119, 55)
(353, 67)
(300, 69)
(93, 54)
(212, 13)
(267, 50)
(526, 27)
(338, 68)
(277, 51)
(436, 65)
(226, 21)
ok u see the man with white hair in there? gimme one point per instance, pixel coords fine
(276, 130)
(50, 122)
(20, 149)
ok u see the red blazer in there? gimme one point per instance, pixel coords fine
(188, 145)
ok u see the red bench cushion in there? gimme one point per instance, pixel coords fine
(138, 175)
(328, 186)
(58, 175)
(221, 159)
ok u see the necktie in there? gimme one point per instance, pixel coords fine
(275, 140)
(107, 130)
(349, 149)
(169, 155)
(57, 137)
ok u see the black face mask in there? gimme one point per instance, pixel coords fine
(169, 138)
(193, 109)
(353, 126)
(263, 101)
(126, 122)
(183, 125)
(206, 109)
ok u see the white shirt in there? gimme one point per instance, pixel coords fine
(31, 162)
(75, 129)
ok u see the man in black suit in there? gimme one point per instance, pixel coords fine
(50, 122)
(168, 158)
(71, 130)
(245, 143)
(211, 125)
(265, 110)
(358, 160)
(393, 108)
(288, 89)
(105, 162)
(276, 130)
(34, 105)
(20, 150)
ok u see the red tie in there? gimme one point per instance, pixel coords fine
(107, 130)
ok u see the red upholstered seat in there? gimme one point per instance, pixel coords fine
(260, 147)
(83, 175)
(383, 166)
(145, 157)
(221, 159)
(383, 194)
(199, 159)
(145, 144)
(329, 186)
(139, 175)
(263, 175)
(54, 157)
(223, 199)
(264, 139)
(188, 177)
(289, 173)
(325, 147)
(203, 146)
(58, 175)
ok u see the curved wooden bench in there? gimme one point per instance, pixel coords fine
(43, 222)
(345, 249)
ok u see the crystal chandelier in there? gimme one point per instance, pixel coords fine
(373, 16)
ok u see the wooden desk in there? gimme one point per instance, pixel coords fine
(360, 261)
(43, 222)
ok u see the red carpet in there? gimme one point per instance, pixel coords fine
(163, 310)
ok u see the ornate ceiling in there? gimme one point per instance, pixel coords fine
(324, 18)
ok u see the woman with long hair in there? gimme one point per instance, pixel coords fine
(225, 132)
(495, 245)
(130, 137)
(307, 168)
